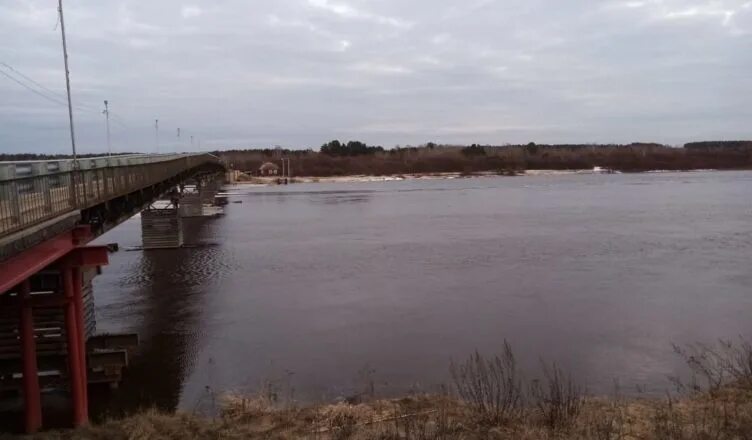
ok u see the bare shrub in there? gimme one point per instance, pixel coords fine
(719, 364)
(557, 397)
(724, 415)
(605, 419)
(491, 386)
(666, 421)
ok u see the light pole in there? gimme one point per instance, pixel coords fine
(107, 117)
(285, 170)
(74, 173)
(156, 134)
(67, 83)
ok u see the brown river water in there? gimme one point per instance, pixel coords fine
(317, 290)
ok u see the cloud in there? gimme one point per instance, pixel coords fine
(347, 11)
(190, 11)
(237, 73)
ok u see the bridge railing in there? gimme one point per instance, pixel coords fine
(32, 192)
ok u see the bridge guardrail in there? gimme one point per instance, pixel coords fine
(32, 192)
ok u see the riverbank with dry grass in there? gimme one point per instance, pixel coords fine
(247, 180)
(431, 158)
(489, 399)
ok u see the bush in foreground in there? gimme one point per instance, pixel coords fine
(491, 403)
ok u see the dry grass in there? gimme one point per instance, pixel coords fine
(725, 415)
(491, 402)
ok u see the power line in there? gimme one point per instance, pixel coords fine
(118, 120)
(58, 97)
(37, 92)
(57, 94)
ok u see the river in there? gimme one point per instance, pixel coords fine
(319, 291)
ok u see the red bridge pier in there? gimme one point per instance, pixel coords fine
(68, 259)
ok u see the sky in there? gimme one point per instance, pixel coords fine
(298, 73)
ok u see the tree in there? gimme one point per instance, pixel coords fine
(531, 149)
(474, 150)
(351, 148)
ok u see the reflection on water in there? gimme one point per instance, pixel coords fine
(166, 294)
(313, 283)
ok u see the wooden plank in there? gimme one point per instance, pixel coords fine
(107, 359)
(128, 341)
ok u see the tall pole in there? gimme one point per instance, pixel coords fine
(156, 134)
(107, 116)
(74, 171)
(67, 84)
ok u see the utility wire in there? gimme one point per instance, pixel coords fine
(51, 95)
(9, 67)
(118, 120)
(57, 97)
(37, 92)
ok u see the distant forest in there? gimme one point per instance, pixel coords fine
(337, 158)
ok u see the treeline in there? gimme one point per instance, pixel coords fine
(337, 158)
(719, 146)
(351, 148)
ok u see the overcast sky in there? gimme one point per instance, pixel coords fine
(297, 73)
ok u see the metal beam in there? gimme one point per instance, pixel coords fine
(22, 266)
(31, 394)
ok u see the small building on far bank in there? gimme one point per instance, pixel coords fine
(268, 169)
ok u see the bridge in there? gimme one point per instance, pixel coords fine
(49, 211)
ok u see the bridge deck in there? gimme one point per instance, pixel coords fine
(34, 194)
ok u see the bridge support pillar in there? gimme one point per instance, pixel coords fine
(31, 394)
(161, 228)
(190, 204)
(193, 199)
(207, 192)
(76, 349)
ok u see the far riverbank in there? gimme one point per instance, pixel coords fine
(271, 180)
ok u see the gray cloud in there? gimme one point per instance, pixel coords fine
(297, 73)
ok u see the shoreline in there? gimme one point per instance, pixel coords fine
(355, 178)
(488, 398)
(725, 413)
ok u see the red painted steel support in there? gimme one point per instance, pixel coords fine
(78, 302)
(68, 253)
(74, 357)
(32, 397)
(20, 267)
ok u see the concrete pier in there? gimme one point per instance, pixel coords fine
(191, 204)
(161, 224)
(161, 228)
